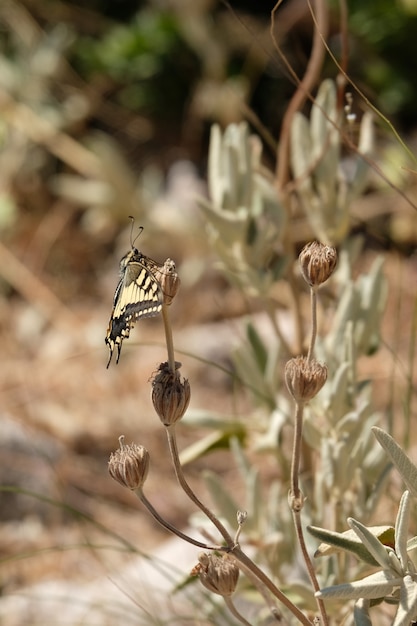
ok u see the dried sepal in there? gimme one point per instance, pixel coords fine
(304, 377)
(218, 574)
(317, 262)
(129, 465)
(169, 280)
(170, 394)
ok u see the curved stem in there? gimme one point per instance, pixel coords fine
(264, 592)
(247, 562)
(172, 529)
(304, 88)
(231, 547)
(172, 442)
(229, 603)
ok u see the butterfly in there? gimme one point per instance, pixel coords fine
(138, 294)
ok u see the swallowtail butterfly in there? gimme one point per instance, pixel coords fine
(138, 294)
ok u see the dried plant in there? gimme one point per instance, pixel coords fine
(301, 377)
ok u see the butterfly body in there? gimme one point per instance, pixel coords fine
(138, 294)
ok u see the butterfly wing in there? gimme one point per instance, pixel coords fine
(137, 295)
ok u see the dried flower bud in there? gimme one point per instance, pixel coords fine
(129, 465)
(169, 280)
(218, 574)
(317, 263)
(304, 378)
(170, 395)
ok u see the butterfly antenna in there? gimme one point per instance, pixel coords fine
(132, 241)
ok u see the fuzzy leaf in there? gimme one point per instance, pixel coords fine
(401, 529)
(334, 542)
(361, 613)
(376, 585)
(404, 465)
(375, 547)
(407, 610)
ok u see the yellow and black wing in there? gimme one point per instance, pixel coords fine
(137, 295)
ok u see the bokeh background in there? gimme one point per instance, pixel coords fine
(105, 112)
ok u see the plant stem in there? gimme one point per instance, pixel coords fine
(168, 338)
(309, 565)
(313, 301)
(172, 442)
(229, 603)
(250, 565)
(172, 529)
(231, 547)
(296, 503)
(296, 450)
(305, 85)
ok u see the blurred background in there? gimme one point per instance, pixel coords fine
(105, 112)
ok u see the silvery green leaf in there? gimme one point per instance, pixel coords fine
(327, 462)
(231, 225)
(407, 609)
(217, 440)
(401, 529)
(365, 147)
(301, 157)
(215, 169)
(376, 585)
(339, 388)
(405, 467)
(325, 140)
(238, 167)
(271, 439)
(361, 613)
(367, 134)
(412, 544)
(373, 293)
(323, 113)
(375, 547)
(346, 312)
(230, 158)
(334, 542)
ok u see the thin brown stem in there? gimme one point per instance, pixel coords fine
(230, 605)
(310, 568)
(172, 442)
(305, 86)
(296, 451)
(296, 503)
(313, 301)
(230, 545)
(264, 592)
(168, 338)
(246, 561)
(171, 528)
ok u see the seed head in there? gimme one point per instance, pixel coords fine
(317, 263)
(304, 378)
(129, 465)
(169, 280)
(218, 574)
(170, 394)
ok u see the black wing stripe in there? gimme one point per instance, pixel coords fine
(138, 294)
